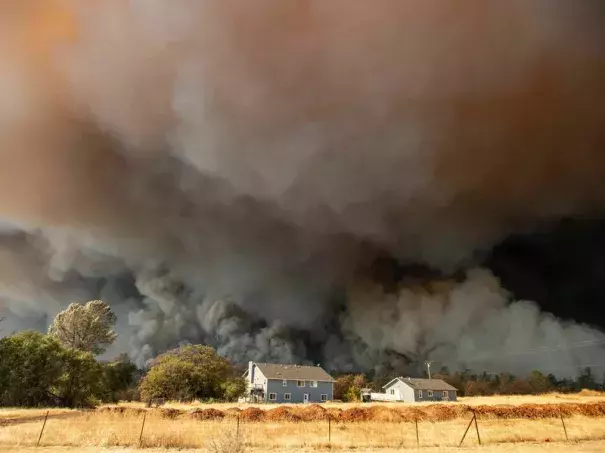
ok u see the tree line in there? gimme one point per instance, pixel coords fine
(61, 368)
(348, 387)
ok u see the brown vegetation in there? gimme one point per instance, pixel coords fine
(379, 413)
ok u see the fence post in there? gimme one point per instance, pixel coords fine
(142, 428)
(477, 427)
(42, 430)
(465, 432)
(237, 430)
(564, 427)
(417, 436)
(329, 429)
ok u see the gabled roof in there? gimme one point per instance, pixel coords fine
(423, 384)
(294, 372)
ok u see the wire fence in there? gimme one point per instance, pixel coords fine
(150, 430)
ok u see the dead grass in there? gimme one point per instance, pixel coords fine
(585, 396)
(554, 447)
(18, 413)
(112, 429)
(506, 424)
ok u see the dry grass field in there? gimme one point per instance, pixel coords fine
(506, 424)
(584, 447)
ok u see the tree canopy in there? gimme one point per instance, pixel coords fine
(85, 327)
(191, 372)
(348, 387)
(38, 370)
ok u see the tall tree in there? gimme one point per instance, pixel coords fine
(85, 327)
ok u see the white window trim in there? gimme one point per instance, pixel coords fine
(324, 395)
(284, 383)
(304, 384)
(430, 392)
(392, 391)
(419, 394)
(274, 395)
(287, 397)
(314, 384)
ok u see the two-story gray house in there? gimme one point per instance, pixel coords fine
(274, 383)
(417, 390)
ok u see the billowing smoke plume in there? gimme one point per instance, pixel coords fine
(229, 172)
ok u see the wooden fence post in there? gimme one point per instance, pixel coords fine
(142, 428)
(42, 430)
(465, 432)
(417, 436)
(237, 430)
(329, 429)
(477, 427)
(564, 427)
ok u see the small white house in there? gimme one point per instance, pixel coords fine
(416, 390)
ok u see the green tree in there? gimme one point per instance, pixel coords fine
(118, 377)
(538, 382)
(348, 387)
(30, 365)
(85, 327)
(586, 380)
(81, 384)
(342, 385)
(234, 388)
(37, 370)
(187, 373)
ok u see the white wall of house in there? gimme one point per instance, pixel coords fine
(401, 391)
(255, 376)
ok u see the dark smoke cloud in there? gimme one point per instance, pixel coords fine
(229, 171)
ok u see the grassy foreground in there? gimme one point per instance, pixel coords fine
(559, 447)
(516, 426)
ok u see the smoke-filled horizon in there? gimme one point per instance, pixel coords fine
(231, 173)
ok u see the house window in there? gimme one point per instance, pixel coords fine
(300, 383)
(324, 397)
(284, 383)
(272, 396)
(419, 394)
(287, 396)
(392, 391)
(446, 395)
(430, 393)
(313, 383)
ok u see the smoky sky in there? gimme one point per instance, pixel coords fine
(231, 172)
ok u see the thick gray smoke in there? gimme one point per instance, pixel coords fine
(226, 171)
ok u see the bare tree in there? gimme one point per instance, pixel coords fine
(85, 327)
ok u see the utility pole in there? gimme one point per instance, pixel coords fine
(428, 367)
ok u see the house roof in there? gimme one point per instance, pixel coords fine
(423, 384)
(294, 372)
